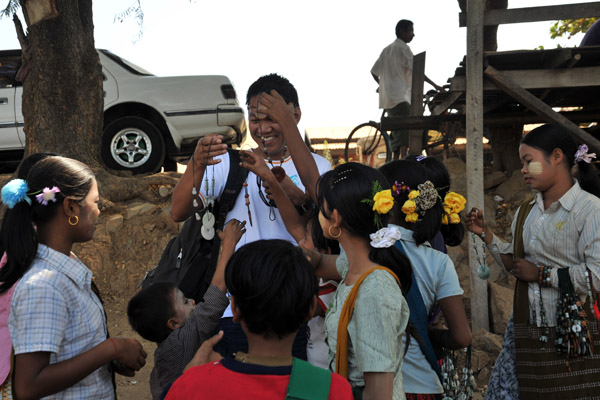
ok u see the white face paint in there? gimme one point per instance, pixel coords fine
(535, 168)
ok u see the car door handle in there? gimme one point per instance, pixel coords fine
(3, 100)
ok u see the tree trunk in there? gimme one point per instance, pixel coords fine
(62, 92)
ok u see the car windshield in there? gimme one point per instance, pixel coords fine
(129, 66)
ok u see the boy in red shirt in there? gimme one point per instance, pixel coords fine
(273, 291)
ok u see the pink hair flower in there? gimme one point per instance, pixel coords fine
(583, 155)
(47, 195)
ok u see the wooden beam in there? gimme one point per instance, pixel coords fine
(539, 107)
(444, 105)
(499, 119)
(415, 143)
(540, 78)
(474, 149)
(535, 14)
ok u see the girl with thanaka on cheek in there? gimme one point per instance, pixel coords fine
(551, 346)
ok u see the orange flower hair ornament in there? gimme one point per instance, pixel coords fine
(382, 202)
(454, 203)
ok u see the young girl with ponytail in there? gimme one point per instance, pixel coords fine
(367, 318)
(418, 213)
(57, 322)
(551, 347)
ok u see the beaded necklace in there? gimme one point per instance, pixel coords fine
(208, 218)
(572, 334)
(455, 386)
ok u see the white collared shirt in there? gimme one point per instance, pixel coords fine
(55, 310)
(394, 69)
(566, 235)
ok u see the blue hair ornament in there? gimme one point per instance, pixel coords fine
(15, 191)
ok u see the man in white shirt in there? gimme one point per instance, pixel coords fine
(393, 72)
(279, 142)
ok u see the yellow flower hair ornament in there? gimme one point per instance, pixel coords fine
(382, 202)
(419, 201)
(454, 203)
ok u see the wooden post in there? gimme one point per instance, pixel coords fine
(415, 141)
(474, 127)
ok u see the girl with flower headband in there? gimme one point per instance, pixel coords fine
(551, 346)
(418, 213)
(57, 323)
(450, 234)
(368, 314)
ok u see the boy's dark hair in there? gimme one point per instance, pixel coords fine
(273, 285)
(551, 136)
(150, 309)
(266, 83)
(402, 26)
(438, 174)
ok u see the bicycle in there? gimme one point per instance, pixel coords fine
(368, 139)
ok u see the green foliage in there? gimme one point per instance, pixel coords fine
(571, 27)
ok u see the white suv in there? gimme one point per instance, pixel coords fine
(149, 121)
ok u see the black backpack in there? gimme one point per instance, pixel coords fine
(189, 260)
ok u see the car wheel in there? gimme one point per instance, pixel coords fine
(133, 144)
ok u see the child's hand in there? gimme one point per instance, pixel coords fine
(121, 369)
(255, 163)
(272, 105)
(232, 233)
(130, 353)
(205, 353)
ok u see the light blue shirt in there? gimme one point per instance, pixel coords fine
(54, 310)
(437, 279)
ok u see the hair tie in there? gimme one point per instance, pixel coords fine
(419, 201)
(421, 158)
(582, 154)
(385, 237)
(15, 191)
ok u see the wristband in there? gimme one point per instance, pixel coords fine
(116, 349)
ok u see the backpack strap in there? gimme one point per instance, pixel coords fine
(341, 350)
(419, 321)
(521, 297)
(308, 382)
(235, 179)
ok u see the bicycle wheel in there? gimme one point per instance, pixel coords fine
(371, 145)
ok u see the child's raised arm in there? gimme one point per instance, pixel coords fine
(294, 224)
(229, 236)
(287, 116)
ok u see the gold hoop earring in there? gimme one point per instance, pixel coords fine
(331, 234)
(76, 221)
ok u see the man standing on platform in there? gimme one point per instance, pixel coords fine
(393, 72)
